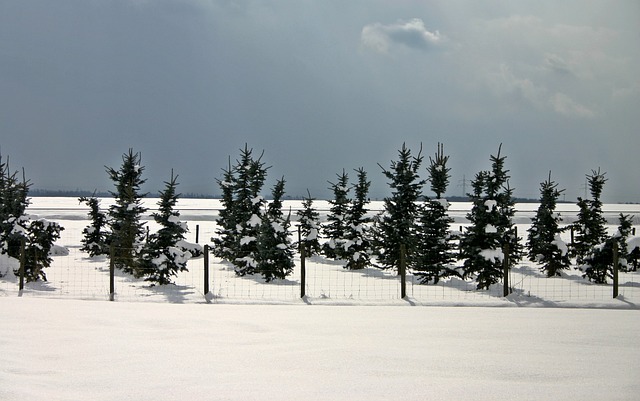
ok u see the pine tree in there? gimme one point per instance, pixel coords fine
(127, 231)
(357, 245)
(598, 265)
(248, 206)
(275, 251)
(336, 226)
(95, 237)
(492, 227)
(396, 225)
(163, 257)
(309, 225)
(544, 244)
(16, 226)
(589, 229)
(13, 205)
(434, 255)
(227, 216)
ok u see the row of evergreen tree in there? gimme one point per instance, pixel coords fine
(253, 234)
(417, 224)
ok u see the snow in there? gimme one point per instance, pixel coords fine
(632, 243)
(254, 220)
(561, 245)
(490, 204)
(247, 240)
(445, 204)
(490, 229)
(492, 254)
(313, 234)
(168, 346)
(99, 351)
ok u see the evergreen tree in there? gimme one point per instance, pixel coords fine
(127, 231)
(357, 245)
(598, 265)
(309, 225)
(491, 227)
(227, 216)
(435, 251)
(163, 257)
(95, 237)
(544, 244)
(13, 205)
(248, 209)
(336, 226)
(589, 229)
(16, 226)
(275, 255)
(396, 225)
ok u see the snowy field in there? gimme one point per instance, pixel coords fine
(57, 345)
(82, 350)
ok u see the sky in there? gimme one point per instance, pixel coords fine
(321, 86)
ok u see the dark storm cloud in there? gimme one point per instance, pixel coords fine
(320, 86)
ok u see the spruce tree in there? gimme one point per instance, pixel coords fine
(248, 209)
(95, 236)
(544, 244)
(598, 264)
(16, 226)
(163, 257)
(275, 250)
(357, 244)
(396, 225)
(483, 243)
(435, 251)
(589, 229)
(127, 231)
(227, 216)
(336, 226)
(309, 225)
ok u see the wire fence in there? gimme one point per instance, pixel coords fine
(78, 276)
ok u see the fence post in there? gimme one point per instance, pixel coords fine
(505, 272)
(402, 271)
(615, 269)
(197, 232)
(303, 269)
(112, 274)
(22, 265)
(571, 230)
(206, 271)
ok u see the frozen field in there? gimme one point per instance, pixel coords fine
(56, 345)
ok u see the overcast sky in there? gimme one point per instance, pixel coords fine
(321, 86)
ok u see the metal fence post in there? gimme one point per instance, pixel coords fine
(303, 269)
(505, 272)
(402, 271)
(112, 274)
(22, 265)
(197, 233)
(206, 270)
(615, 269)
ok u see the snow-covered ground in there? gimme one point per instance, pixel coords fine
(82, 350)
(55, 345)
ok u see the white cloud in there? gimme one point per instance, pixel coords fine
(564, 105)
(506, 83)
(412, 33)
